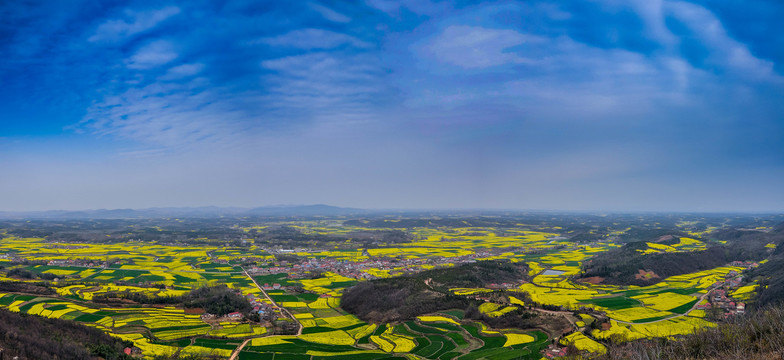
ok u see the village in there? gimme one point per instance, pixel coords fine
(720, 303)
(365, 269)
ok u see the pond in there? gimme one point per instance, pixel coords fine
(552, 272)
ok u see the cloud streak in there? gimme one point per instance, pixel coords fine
(154, 54)
(134, 22)
(478, 47)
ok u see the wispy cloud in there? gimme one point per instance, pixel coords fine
(134, 22)
(332, 85)
(725, 52)
(170, 115)
(184, 70)
(478, 47)
(151, 55)
(329, 14)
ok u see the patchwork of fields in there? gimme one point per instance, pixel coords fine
(310, 297)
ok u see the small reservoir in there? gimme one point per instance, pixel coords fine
(552, 272)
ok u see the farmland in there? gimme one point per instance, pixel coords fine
(293, 274)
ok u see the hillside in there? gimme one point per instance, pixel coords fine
(771, 274)
(621, 266)
(35, 337)
(405, 297)
(759, 335)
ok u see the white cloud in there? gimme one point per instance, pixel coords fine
(313, 39)
(653, 13)
(387, 6)
(182, 71)
(725, 51)
(478, 47)
(329, 14)
(586, 83)
(568, 81)
(152, 55)
(136, 22)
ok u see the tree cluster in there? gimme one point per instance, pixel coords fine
(218, 300)
(25, 287)
(29, 275)
(137, 297)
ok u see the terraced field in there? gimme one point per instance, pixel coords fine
(431, 339)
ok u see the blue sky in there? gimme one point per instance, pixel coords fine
(604, 105)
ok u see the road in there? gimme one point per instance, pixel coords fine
(299, 330)
(236, 351)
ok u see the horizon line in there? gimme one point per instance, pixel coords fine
(412, 209)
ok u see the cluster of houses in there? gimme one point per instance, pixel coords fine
(555, 351)
(500, 286)
(79, 263)
(134, 352)
(233, 316)
(274, 286)
(718, 299)
(265, 310)
(358, 269)
(746, 264)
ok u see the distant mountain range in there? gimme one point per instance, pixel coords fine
(207, 211)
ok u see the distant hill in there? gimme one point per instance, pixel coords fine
(186, 212)
(304, 210)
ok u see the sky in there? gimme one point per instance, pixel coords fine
(605, 105)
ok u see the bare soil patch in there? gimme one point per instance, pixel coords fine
(595, 280)
(665, 238)
(645, 275)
